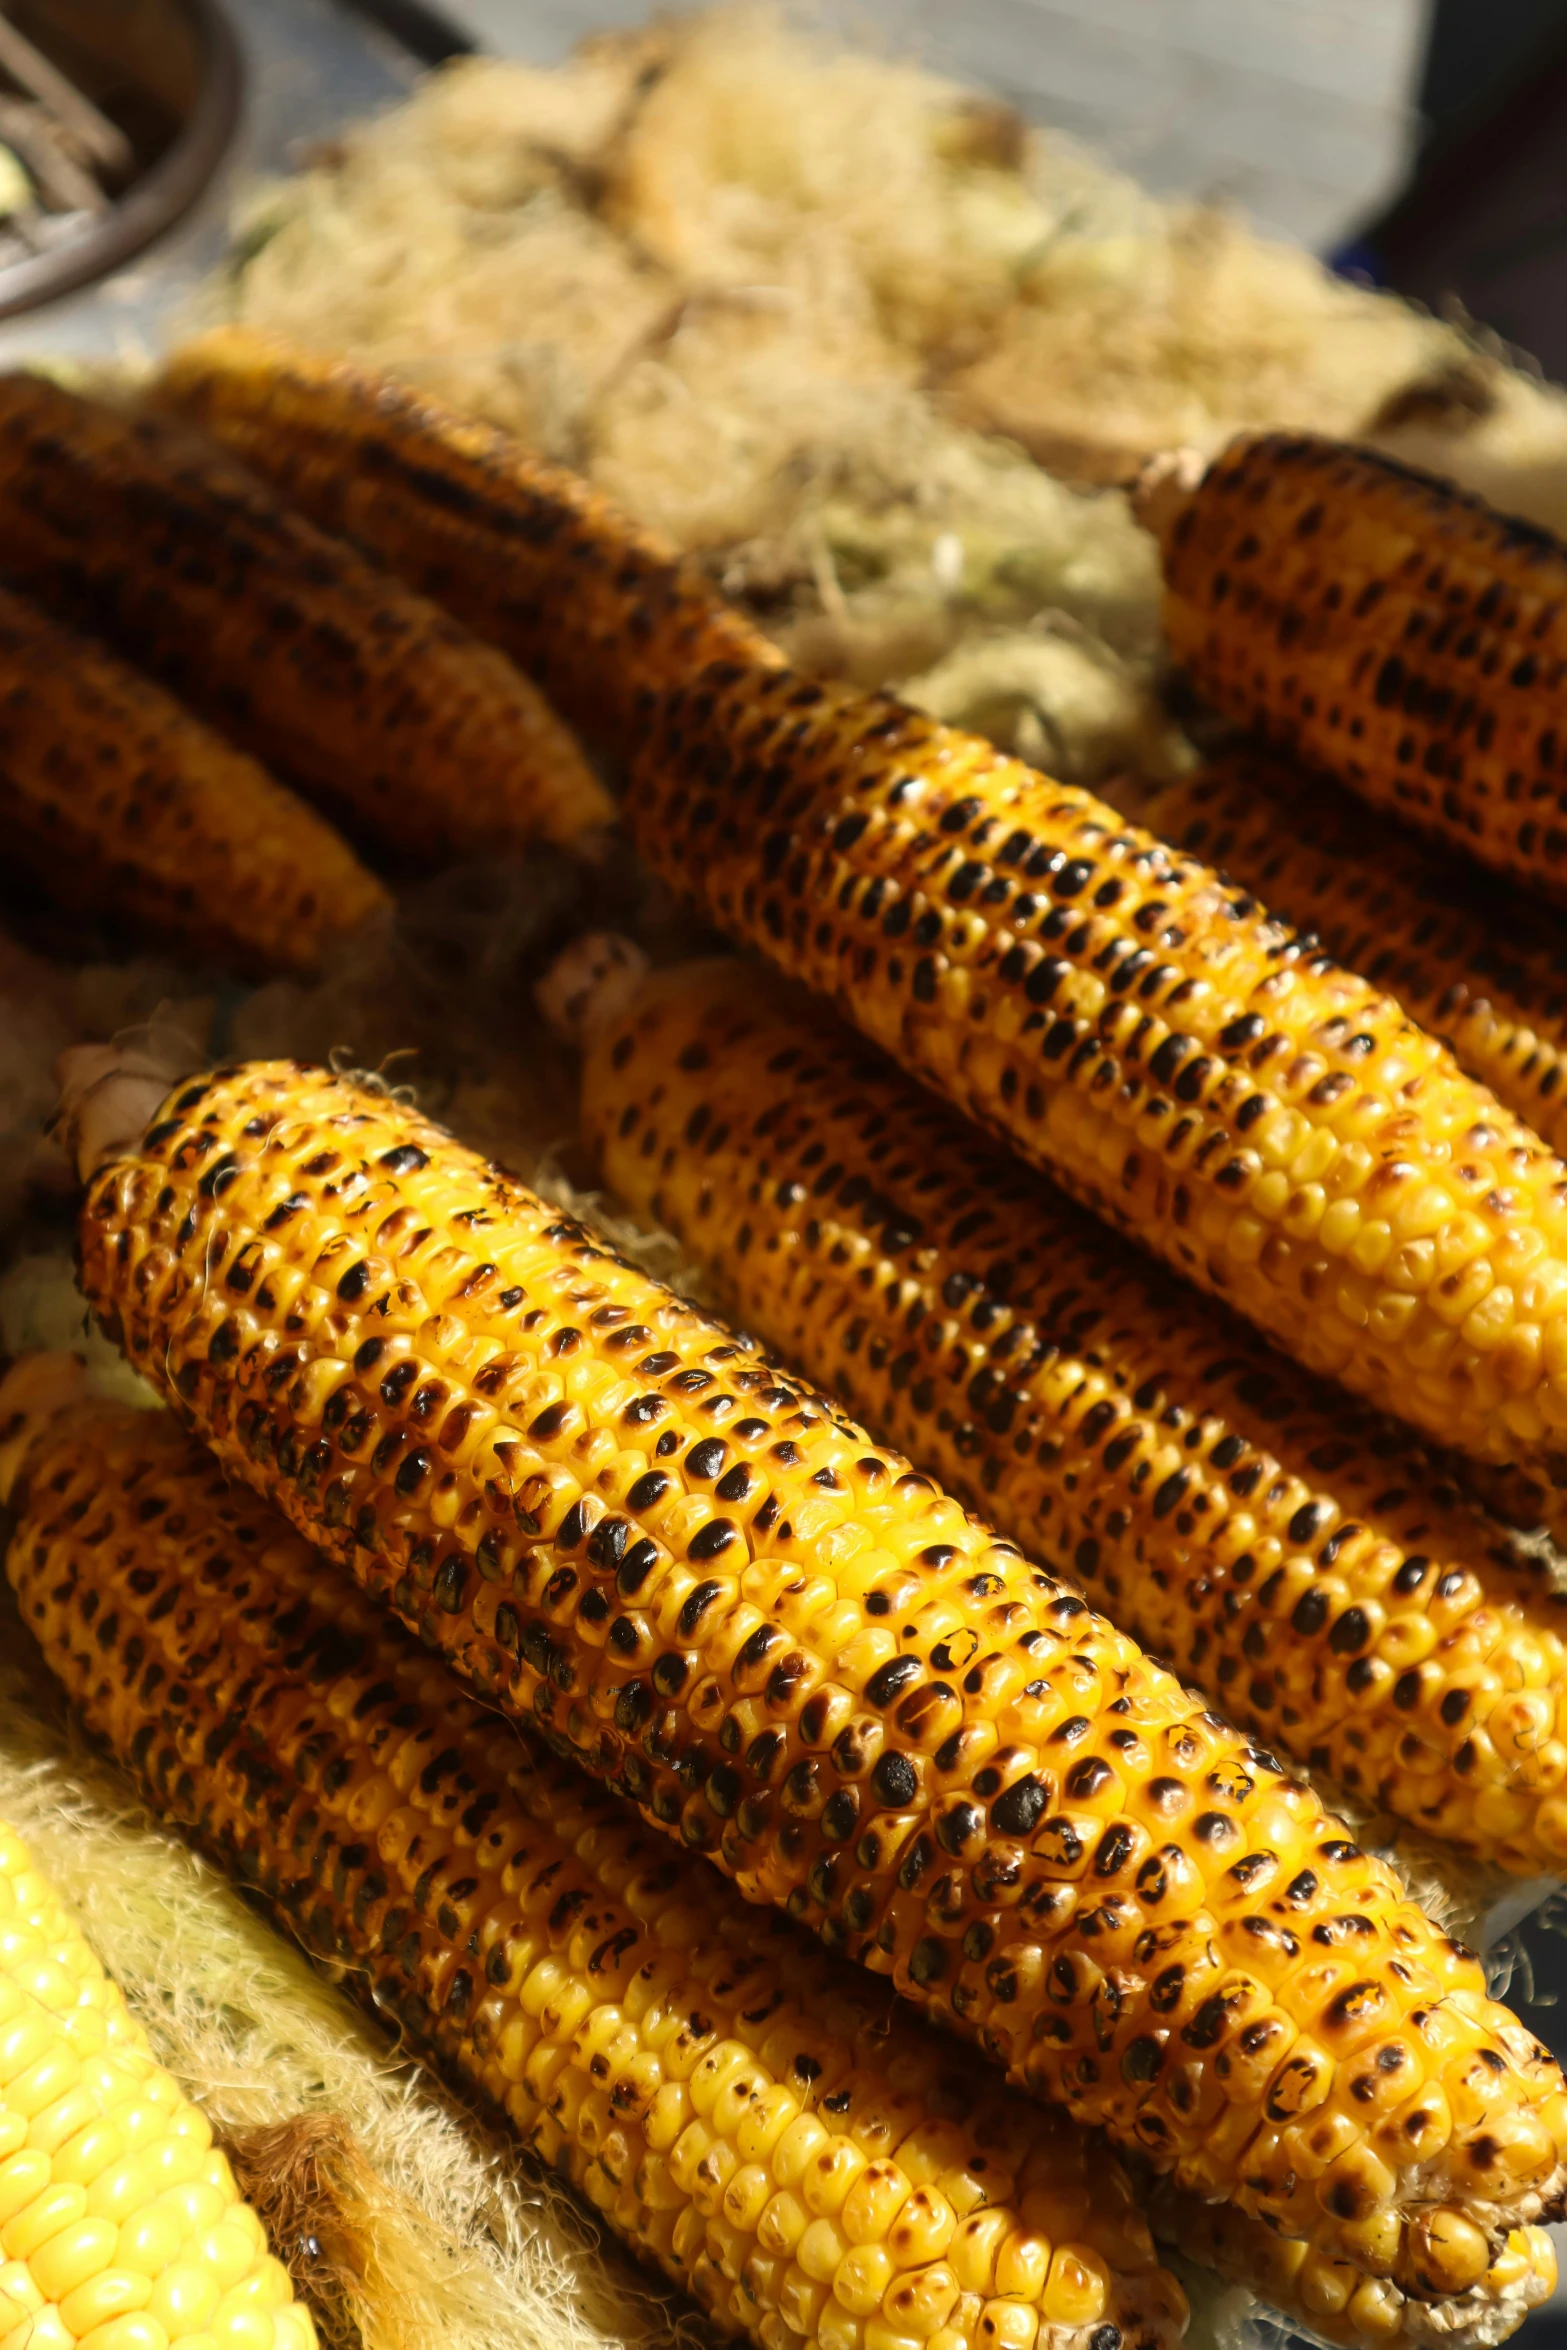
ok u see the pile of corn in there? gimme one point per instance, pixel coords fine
(705, 1588)
(596, 1703)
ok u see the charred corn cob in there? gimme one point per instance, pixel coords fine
(1180, 1060)
(351, 685)
(121, 804)
(805, 1660)
(1285, 1550)
(526, 553)
(121, 2227)
(761, 2122)
(1387, 627)
(1474, 963)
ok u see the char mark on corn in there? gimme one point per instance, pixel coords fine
(1187, 1065)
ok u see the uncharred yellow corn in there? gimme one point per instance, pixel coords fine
(1191, 1068)
(120, 804)
(121, 2227)
(290, 642)
(1387, 627)
(1284, 1549)
(759, 2120)
(526, 553)
(702, 1582)
(1475, 963)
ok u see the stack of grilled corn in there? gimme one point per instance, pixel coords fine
(697, 1580)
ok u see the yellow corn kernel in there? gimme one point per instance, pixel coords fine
(113, 2292)
(1076, 2287)
(820, 2250)
(1022, 2266)
(73, 2256)
(862, 2278)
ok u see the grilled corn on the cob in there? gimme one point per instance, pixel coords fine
(1473, 962)
(805, 1660)
(1283, 1548)
(350, 684)
(1386, 626)
(120, 2224)
(526, 553)
(1186, 1064)
(122, 804)
(759, 2121)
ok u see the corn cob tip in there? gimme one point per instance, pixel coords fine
(1164, 489)
(35, 1390)
(592, 983)
(109, 1094)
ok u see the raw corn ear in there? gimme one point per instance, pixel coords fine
(1387, 627)
(1286, 1550)
(1476, 963)
(122, 2228)
(121, 804)
(1176, 1057)
(700, 1580)
(358, 690)
(761, 2121)
(530, 556)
